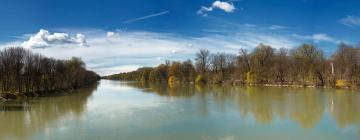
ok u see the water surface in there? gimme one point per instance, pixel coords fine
(133, 111)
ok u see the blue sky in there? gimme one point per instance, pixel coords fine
(121, 35)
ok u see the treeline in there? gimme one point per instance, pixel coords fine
(22, 71)
(305, 65)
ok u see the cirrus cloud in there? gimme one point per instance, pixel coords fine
(319, 37)
(113, 53)
(350, 21)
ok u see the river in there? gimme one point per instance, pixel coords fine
(115, 110)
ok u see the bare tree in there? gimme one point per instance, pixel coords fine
(23, 71)
(281, 65)
(202, 61)
(310, 61)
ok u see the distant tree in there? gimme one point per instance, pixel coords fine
(145, 73)
(281, 66)
(24, 71)
(347, 63)
(175, 72)
(242, 64)
(188, 71)
(222, 65)
(309, 61)
(202, 61)
(303, 65)
(159, 74)
(262, 61)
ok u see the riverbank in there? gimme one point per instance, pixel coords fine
(288, 85)
(20, 96)
(12, 96)
(239, 83)
(4, 97)
(299, 86)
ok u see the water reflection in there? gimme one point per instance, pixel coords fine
(137, 111)
(306, 106)
(345, 107)
(22, 119)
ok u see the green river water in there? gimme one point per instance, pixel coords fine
(115, 110)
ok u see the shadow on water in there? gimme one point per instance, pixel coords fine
(305, 106)
(22, 119)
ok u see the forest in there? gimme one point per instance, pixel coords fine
(28, 73)
(305, 65)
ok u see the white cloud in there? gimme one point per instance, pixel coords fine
(118, 69)
(135, 49)
(277, 27)
(350, 21)
(159, 58)
(249, 40)
(319, 37)
(44, 39)
(79, 39)
(177, 51)
(323, 37)
(203, 10)
(112, 35)
(225, 6)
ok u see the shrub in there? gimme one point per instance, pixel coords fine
(200, 80)
(341, 83)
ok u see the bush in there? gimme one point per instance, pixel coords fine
(200, 80)
(173, 79)
(250, 77)
(341, 83)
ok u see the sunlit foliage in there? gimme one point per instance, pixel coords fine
(305, 65)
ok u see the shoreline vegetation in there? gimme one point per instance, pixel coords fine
(303, 66)
(26, 74)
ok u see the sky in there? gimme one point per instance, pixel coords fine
(114, 36)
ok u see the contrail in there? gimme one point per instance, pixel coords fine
(146, 17)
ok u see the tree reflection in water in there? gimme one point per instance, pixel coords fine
(179, 106)
(22, 119)
(306, 106)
